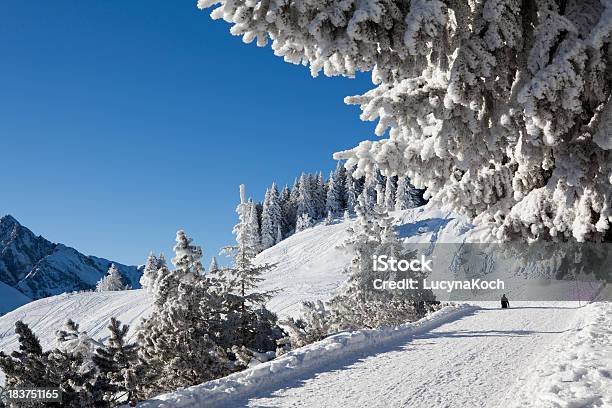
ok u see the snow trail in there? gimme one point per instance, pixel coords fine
(472, 361)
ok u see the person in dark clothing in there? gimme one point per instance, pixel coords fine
(505, 303)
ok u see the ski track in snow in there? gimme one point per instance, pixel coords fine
(469, 362)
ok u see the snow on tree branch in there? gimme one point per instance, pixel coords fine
(501, 108)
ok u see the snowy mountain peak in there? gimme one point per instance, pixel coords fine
(39, 268)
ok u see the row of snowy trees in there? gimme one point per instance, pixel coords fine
(204, 325)
(357, 305)
(312, 198)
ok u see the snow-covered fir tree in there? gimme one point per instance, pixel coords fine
(340, 175)
(178, 340)
(320, 194)
(306, 201)
(251, 229)
(351, 194)
(407, 196)
(303, 222)
(288, 211)
(187, 257)
(213, 267)
(120, 373)
(329, 220)
(279, 234)
(271, 218)
(112, 281)
(150, 272)
(500, 108)
(31, 367)
(390, 189)
(333, 202)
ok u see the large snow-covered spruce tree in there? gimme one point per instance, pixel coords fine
(501, 108)
(112, 281)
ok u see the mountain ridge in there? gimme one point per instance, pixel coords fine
(40, 268)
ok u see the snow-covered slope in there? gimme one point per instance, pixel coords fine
(480, 357)
(38, 268)
(309, 267)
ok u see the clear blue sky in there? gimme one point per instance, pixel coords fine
(123, 121)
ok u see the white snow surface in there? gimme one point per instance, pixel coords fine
(469, 358)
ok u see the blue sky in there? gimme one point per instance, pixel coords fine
(121, 122)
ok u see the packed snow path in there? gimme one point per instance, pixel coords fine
(470, 362)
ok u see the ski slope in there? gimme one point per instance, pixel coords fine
(484, 357)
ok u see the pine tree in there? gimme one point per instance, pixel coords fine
(390, 189)
(118, 366)
(329, 220)
(369, 192)
(320, 195)
(279, 234)
(304, 222)
(340, 175)
(306, 201)
(111, 282)
(149, 273)
(213, 265)
(179, 340)
(333, 203)
(271, 217)
(407, 196)
(288, 211)
(351, 194)
(252, 230)
(187, 257)
(31, 367)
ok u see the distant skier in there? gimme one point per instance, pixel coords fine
(505, 303)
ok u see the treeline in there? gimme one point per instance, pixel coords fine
(313, 198)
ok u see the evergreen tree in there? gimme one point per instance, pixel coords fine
(213, 268)
(149, 274)
(369, 192)
(333, 203)
(340, 176)
(288, 211)
(407, 196)
(251, 228)
(304, 221)
(390, 188)
(179, 340)
(271, 217)
(187, 257)
(351, 194)
(329, 220)
(118, 366)
(111, 282)
(279, 234)
(320, 195)
(31, 367)
(306, 202)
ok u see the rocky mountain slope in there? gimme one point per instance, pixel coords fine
(39, 268)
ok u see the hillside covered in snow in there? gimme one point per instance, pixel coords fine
(309, 266)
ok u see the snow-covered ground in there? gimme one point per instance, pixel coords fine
(309, 267)
(472, 360)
